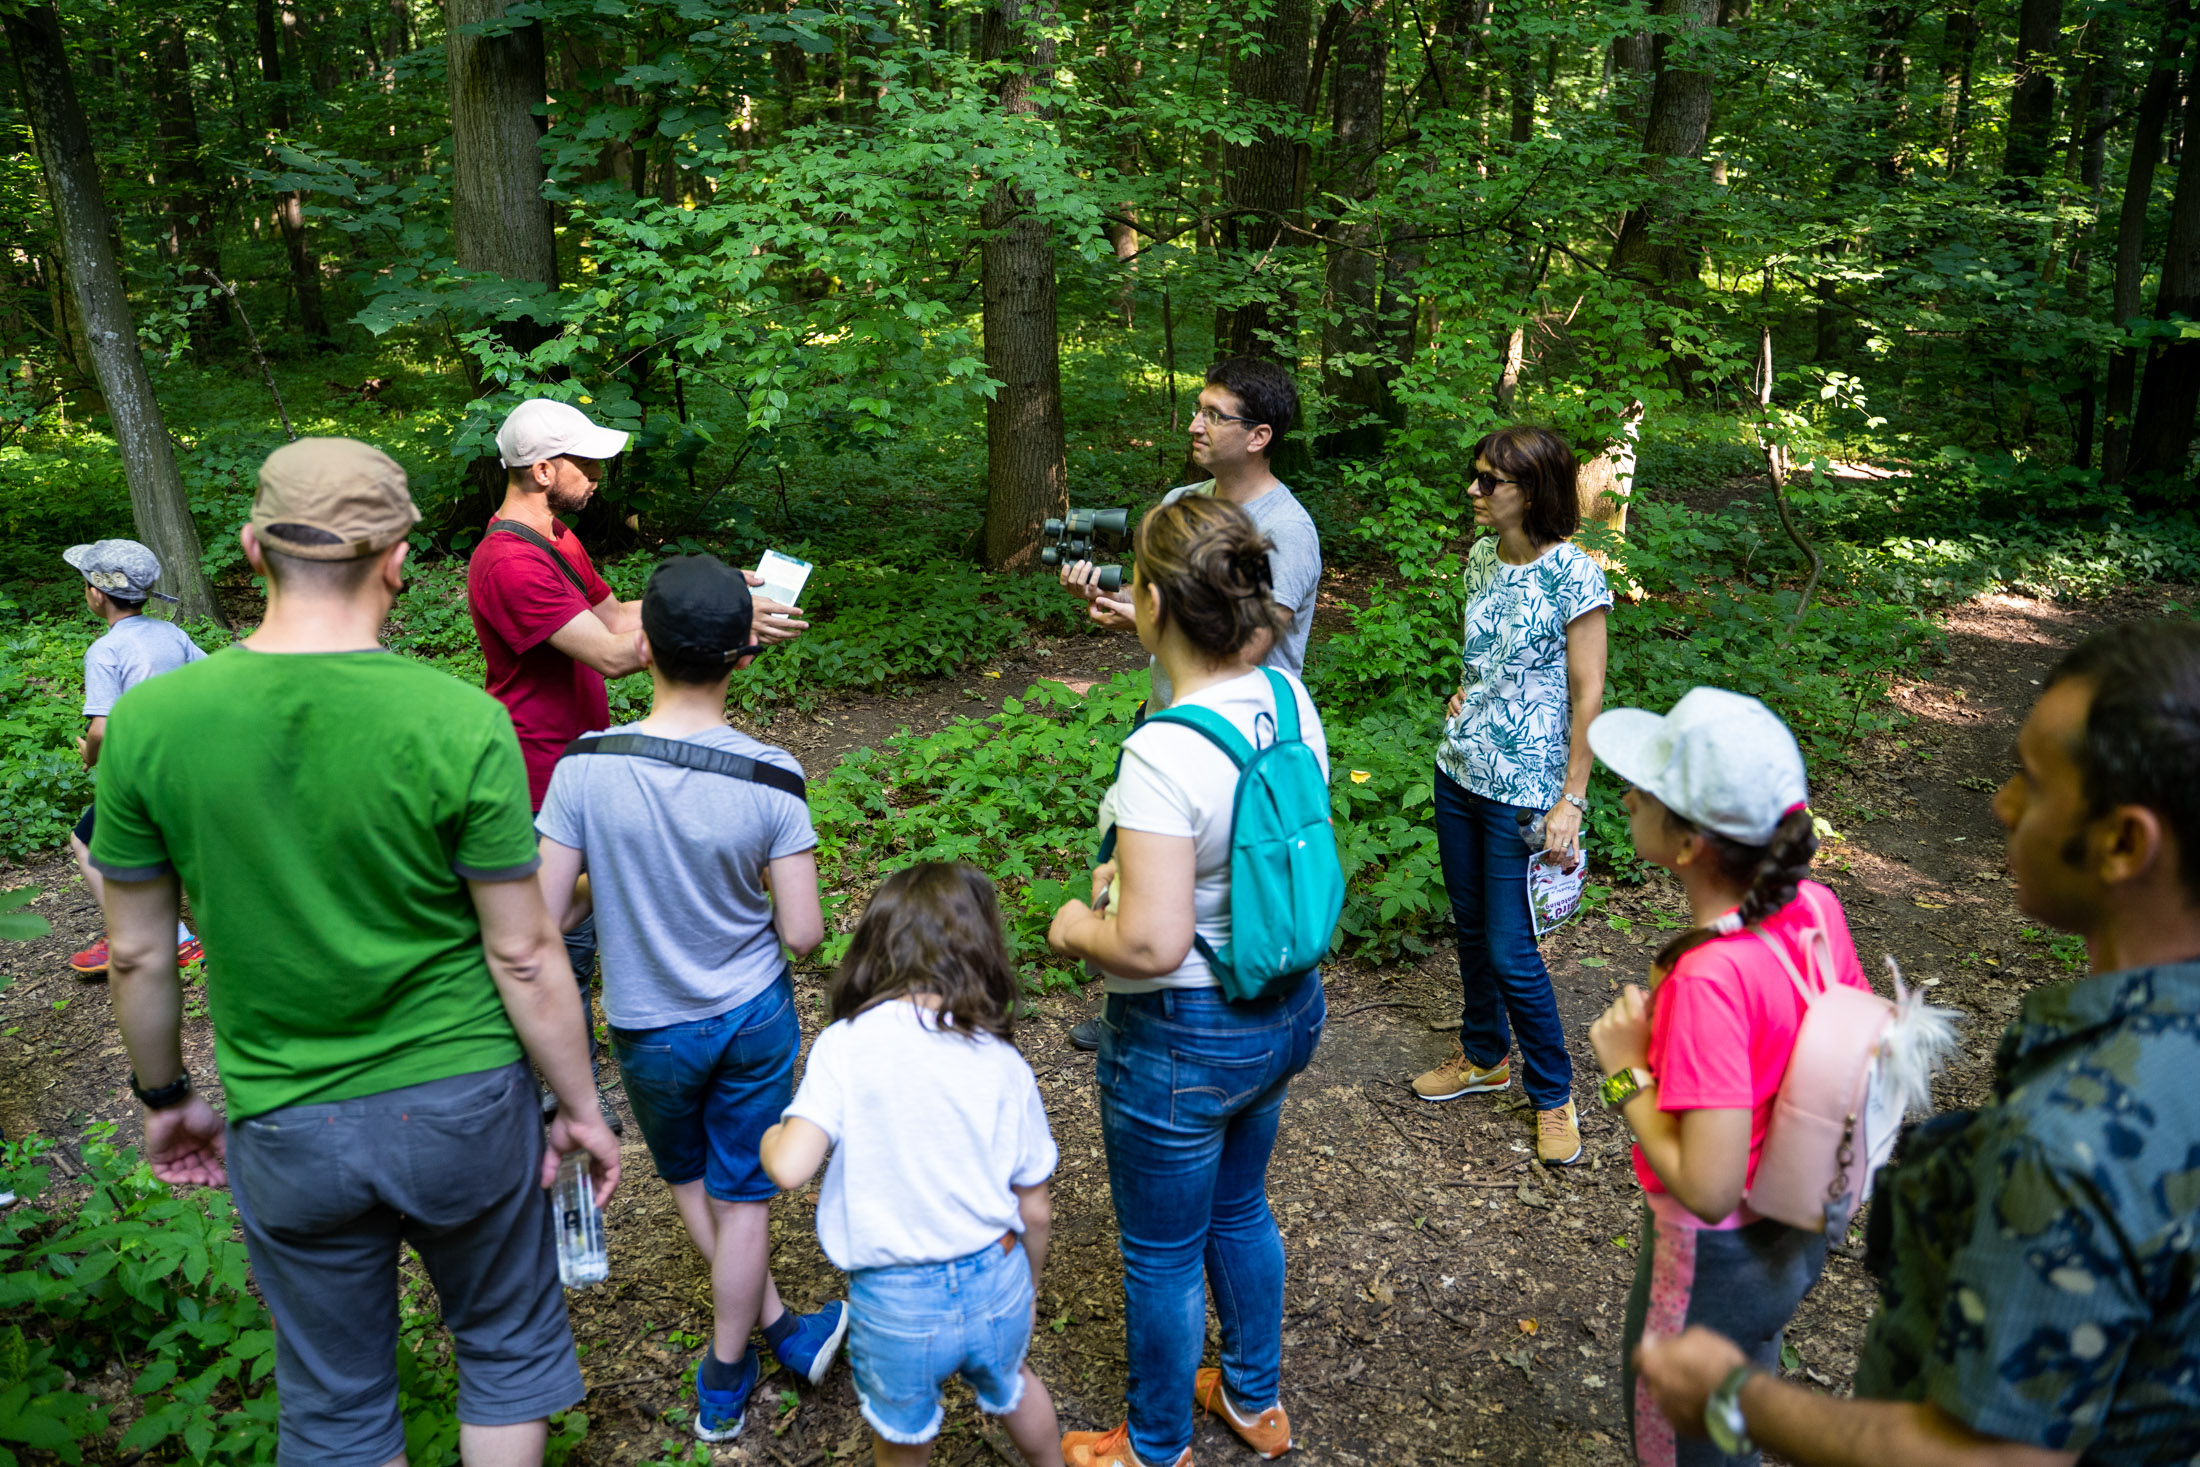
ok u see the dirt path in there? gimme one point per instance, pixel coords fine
(1448, 1299)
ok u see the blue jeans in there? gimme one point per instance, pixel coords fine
(705, 1092)
(1191, 1086)
(913, 1326)
(580, 951)
(1501, 972)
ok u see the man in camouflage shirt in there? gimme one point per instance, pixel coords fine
(2040, 1301)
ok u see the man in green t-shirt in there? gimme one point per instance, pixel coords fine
(353, 828)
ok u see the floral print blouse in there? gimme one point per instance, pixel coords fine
(1510, 739)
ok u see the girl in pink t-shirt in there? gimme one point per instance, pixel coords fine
(1719, 799)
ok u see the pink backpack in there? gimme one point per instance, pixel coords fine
(1860, 1064)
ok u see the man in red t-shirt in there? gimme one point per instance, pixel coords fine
(551, 630)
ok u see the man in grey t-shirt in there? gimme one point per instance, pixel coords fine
(1245, 407)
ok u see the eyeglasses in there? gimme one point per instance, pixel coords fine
(1217, 415)
(1482, 486)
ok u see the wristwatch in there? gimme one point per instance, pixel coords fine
(1722, 1414)
(1576, 801)
(1618, 1089)
(172, 1093)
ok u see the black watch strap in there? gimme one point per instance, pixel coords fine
(172, 1093)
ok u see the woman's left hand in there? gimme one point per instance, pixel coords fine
(1621, 1035)
(1562, 833)
(1072, 913)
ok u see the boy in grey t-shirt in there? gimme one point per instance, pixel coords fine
(118, 578)
(1245, 407)
(698, 876)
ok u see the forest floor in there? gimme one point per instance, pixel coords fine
(1448, 1300)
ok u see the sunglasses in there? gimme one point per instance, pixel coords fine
(1482, 486)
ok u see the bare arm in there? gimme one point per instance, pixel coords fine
(184, 1143)
(619, 616)
(564, 888)
(535, 981)
(589, 642)
(1146, 928)
(793, 1150)
(797, 911)
(1812, 1430)
(1036, 1206)
(95, 733)
(1586, 649)
(1702, 1156)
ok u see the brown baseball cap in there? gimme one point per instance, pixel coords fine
(347, 490)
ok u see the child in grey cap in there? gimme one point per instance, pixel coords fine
(118, 577)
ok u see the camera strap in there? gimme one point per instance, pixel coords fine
(534, 537)
(693, 756)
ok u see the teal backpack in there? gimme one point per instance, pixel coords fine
(1286, 884)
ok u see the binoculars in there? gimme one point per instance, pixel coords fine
(1073, 538)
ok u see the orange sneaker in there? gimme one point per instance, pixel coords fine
(1108, 1449)
(1268, 1434)
(92, 962)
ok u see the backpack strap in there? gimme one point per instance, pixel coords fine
(535, 538)
(693, 756)
(1814, 940)
(1287, 706)
(1217, 729)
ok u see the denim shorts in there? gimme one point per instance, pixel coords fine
(916, 1325)
(705, 1092)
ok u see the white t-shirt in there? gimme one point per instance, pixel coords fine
(930, 1131)
(1174, 781)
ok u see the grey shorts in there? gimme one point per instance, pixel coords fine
(327, 1194)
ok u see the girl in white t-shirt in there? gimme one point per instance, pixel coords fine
(935, 1204)
(1192, 1084)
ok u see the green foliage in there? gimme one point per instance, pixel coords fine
(43, 785)
(17, 925)
(1011, 794)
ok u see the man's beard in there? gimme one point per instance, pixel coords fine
(564, 501)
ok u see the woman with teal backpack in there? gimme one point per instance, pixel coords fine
(1205, 1022)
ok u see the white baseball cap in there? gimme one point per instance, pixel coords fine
(543, 427)
(1719, 759)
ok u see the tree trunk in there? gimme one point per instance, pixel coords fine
(189, 241)
(2131, 236)
(2032, 102)
(80, 216)
(290, 217)
(1261, 177)
(1962, 39)
(1027, 473)
(1653, 241)
(1359, 388)
(499, 219)
(2161, 431)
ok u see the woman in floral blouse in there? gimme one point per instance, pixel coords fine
(1514, 766)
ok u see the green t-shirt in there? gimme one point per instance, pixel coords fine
(325, 812)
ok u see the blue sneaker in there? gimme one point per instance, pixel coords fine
(718, 1414)
(809, 1349)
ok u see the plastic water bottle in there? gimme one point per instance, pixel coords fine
(582, 1257)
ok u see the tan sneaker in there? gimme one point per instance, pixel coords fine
(1459, 1076)
(1268, 1434)
(1558, 1136)
(1108, 1449)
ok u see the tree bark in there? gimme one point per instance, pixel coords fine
(499, 219)
(64, 144)
(1352, 326)
(2161, 430)
(1261, 178)
(2131, 236)
(189, 240)
(1653, 240)
(2032, 102)
(290, 217)
(1027, 473)
(1962, 39)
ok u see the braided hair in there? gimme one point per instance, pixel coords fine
(1209, 561)
(1774, 871)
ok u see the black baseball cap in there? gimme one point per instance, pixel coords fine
(699, 605)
